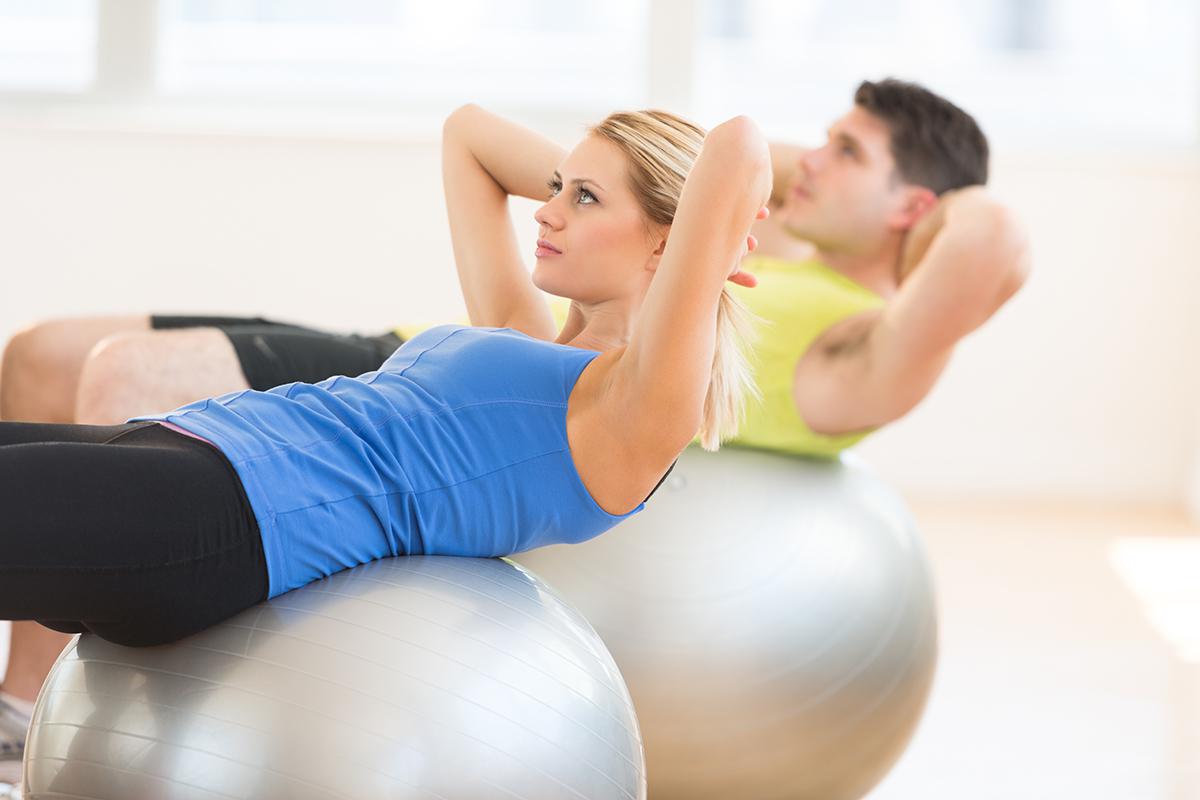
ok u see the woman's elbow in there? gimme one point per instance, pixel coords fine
(459, 117)
(740, 142)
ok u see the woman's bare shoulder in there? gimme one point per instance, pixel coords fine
(618, 463)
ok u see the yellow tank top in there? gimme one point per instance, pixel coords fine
(797, 301)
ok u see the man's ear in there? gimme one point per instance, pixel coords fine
(915, 204)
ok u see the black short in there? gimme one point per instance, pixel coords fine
(274, 353)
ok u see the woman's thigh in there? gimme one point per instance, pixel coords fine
(144, 537)
(54, 432)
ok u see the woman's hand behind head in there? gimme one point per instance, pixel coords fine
(738, 275)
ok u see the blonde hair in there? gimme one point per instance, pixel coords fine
(661, 149)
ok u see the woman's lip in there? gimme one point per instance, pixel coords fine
(544, 248)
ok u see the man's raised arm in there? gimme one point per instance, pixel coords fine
(961, 263)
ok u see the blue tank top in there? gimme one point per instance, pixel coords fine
(457, 445)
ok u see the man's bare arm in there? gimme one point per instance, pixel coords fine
(784, 158)
(960, 265)
(774, 239)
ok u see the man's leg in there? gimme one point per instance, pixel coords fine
(41, 365)
(144, 372)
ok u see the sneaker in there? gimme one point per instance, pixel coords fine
(13, 727)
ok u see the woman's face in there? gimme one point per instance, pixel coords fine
(594, 242)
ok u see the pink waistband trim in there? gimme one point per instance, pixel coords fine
(178, 429)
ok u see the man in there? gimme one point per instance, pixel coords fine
(881, 254)
(887, 253)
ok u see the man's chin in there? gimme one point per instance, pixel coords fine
(799, 226)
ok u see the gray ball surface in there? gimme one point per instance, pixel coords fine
(404, 678)
(774, 620)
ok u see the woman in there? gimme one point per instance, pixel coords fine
(469, 440)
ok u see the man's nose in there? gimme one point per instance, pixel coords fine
(812, 160)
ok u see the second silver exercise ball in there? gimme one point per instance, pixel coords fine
(774, 620)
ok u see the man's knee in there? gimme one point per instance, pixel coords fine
(111, 378)
(40, 370)
(20, 354)
(38, 348)
(147, 372)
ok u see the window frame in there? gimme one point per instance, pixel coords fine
(127, 66)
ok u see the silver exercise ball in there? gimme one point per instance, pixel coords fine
(404, 678)
(774, 620)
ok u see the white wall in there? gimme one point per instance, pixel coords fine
(1086, 385)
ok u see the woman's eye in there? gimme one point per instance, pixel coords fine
(591, 198)
(555, 188)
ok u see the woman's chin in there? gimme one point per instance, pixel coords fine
(548, 282)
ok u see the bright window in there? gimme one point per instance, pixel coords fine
(47, 45)
(441, 51)
(1110, 71)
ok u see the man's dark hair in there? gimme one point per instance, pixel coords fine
(935, 143)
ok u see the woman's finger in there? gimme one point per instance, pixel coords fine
(743, 279)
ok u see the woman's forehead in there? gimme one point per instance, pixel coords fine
(597, 161)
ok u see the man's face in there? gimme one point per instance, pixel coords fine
(846, 195)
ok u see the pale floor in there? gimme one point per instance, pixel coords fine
(1052, 683)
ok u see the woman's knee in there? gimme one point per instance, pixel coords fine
(63, 626)
(138, 634)
(165, 620)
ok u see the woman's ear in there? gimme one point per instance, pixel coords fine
(659, 240)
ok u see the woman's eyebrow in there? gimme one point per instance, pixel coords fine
(580, 181)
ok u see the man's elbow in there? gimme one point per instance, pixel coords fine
(1007, 247)
(847, 421)
(1020, 261)
(827, 412)
(842, 409)
(825, 421)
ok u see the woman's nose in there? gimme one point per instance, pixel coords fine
(548, 215)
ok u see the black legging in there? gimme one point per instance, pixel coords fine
(134, 532)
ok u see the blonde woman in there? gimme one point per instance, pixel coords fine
(474, 440)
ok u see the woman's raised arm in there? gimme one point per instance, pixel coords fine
(486, 158)
(660, 384)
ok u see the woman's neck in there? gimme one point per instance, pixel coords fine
(599, 326)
